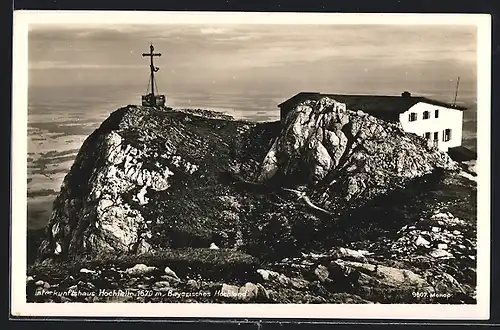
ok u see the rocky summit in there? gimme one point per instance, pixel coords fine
(331, 205)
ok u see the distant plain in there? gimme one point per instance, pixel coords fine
(78, 76)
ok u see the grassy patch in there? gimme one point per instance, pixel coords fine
(219, 264)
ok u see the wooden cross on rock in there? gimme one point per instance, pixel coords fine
(153, 69)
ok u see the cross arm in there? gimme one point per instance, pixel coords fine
(149, 54)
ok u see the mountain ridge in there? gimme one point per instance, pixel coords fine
(148, 181)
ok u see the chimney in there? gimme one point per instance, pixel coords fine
(406, 94)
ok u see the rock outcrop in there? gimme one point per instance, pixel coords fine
(324, 143)
(142, 164)
(136, 170)
(362, 194)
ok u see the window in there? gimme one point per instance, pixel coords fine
(436, 113)
(428, 136)
(427, 114)
(447, 135)
(413, 116)
(435, 139)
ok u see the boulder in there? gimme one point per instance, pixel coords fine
(441, 254)
(422, 242)
(299, 283)
(354, 255)
(140, 270)
(388, 276)
(161, 286)
(321, 272)
(171, 273)
(266, 274)
(193, 284)
(231, 291)
(87, 271)
(249, 291)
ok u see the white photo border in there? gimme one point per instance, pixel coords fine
(19, 307)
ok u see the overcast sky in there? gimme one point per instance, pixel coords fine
(279, 59)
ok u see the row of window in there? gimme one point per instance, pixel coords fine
(426, 115)
(435, 135)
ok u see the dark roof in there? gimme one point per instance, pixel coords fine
(461, 153)
(385, 107)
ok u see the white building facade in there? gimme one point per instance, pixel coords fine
(440, 126)
(440, 123)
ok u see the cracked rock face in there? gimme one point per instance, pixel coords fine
(108, 222)
(121, 169)
(324, 143)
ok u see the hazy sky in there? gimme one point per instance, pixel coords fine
(278, 59)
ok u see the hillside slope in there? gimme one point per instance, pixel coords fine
(332, 192)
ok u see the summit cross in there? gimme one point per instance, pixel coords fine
(153, 69)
